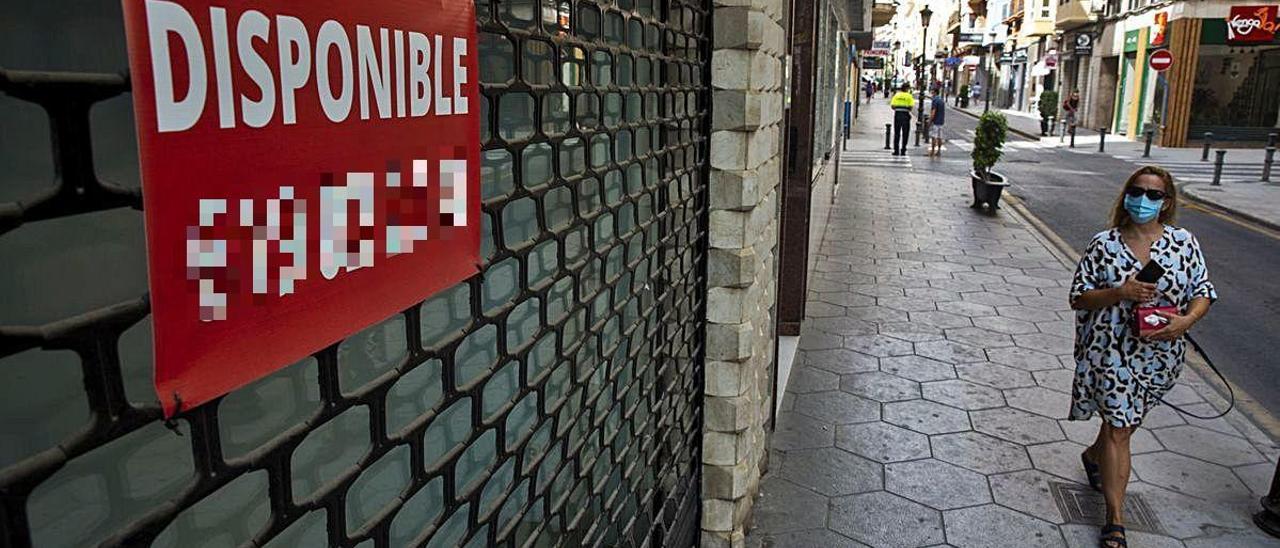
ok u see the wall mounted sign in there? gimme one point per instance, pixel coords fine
(1252, 24)
(308, 169)
(1159, 30)
(1160, 60)
(1084, 44)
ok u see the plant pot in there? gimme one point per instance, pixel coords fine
(964, 101)
(987, 193)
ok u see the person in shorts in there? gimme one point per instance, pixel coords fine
(937, 115)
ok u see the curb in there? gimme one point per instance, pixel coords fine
(1012, 129)
(1206, 203)
(1246, 405)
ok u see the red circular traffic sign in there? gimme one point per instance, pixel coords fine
(1160, 60)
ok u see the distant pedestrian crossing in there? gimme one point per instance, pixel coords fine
(876, 158)
(1194, 171)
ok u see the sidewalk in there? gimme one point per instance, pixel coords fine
(928, 398)
(1023, 123)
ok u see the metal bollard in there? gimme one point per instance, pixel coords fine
(1269, 518)
(1102, 139)
(1146, 150)
(1266, 163)
(1208, 142)
(886, 135)
(1217, 167)
(1073, 136)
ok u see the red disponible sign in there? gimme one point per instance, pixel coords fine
(308, 169)
(1250, 24)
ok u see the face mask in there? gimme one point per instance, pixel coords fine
(1142, 209)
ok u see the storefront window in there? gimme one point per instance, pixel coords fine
(1235, 86)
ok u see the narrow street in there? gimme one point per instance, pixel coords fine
(1073, 190)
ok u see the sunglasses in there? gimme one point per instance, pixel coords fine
(1151, 193)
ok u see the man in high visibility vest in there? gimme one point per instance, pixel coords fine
(902, 104)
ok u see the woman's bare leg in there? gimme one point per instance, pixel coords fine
(1113, 456)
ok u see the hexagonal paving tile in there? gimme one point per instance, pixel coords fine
(951, 352)
(884, 519)
(1016, 426)
(878, 314)
(1027, 313)
(813, 339)
(909, 331)
(1008, 326)
(1061, 328)
(963, 394)
(819, 309)
(936, 484)
(979, 337)
(990, 299)
(795, 431)
(1044, 342)
(992, 525)
(807, 379)
(800, 539)
(878, 345)
(918, 368)
(1024, 359)
(940, 319)
(907, 304)
(837, 407)
(1040, 400)
(882, 442)
(1187, 475)
(1026, 491)
(846, 298)
(933, 293)
(784, 506)
(832, 471)
(1013, 290)
(1059, 380)
(1208, 445)
(877, 290)
(881, 387)
(841, 361)
(994, 375)
(967, 309)
(1056, 304)
(979, 452)
(843, 326)
(1062, 459)
(926, 417)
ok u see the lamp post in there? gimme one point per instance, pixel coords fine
(991, 52)
(925, 14)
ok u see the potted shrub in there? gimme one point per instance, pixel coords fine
(988, 146)
(964, 96)
(1048, 109)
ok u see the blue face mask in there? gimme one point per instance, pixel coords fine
(1142, 209)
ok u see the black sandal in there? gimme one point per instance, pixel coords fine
(1109, 541)
(1092, 471)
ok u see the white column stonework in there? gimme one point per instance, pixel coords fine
(746, 78)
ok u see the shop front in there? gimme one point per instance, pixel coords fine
(1237, 75)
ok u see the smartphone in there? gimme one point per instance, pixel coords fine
(1151, 272)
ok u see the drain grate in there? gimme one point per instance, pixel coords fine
(1081, 504)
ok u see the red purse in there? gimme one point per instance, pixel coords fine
(1146, 320)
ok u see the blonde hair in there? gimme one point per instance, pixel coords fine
(1168, 212)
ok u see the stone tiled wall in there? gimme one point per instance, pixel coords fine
(746, 76)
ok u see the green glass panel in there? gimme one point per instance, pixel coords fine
(328, 451)
(372, 352)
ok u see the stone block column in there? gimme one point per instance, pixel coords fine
(746, 157)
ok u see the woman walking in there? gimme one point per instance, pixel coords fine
(1121, 375)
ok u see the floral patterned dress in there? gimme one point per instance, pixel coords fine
(1111, 361)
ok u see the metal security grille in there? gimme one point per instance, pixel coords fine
(553, 400)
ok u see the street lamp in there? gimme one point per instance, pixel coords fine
(925, 14)
(991, 51)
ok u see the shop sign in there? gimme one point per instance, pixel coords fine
(308, 169)
(971, 37)
(1051, 59)
(1084, 44)
(1159, 30)
(1131, 41)
(1252, 24)
(1006, 58)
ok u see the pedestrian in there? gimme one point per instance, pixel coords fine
(902, 103)
(870, 89)
(1121, 374)
(1069, 108)
(975, 91)
(937, 115)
